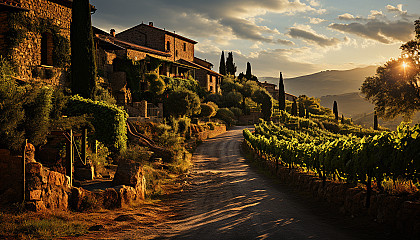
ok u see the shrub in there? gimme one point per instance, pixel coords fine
(183, 125)
(108, 120)
(156, 84)
(232, 99)
(102, 94)
(182, 103)
(214, 105)
(37, 112)
(226, 115)
(236, 111)
(207, 110)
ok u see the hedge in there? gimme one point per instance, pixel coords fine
(108, 120)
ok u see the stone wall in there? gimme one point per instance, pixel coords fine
(28, 53)
(400, 213)
(210, 133)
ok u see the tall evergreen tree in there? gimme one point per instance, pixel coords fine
(83, 64)
(222, 66)
(375, 121)
(248, 74)
(342, 118)
(301, 109)
(282, 94)
(335, 110)
(230, 65)
(294, 108)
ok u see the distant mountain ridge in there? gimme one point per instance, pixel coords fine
(330, 82)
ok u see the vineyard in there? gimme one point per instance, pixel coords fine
(351, 154)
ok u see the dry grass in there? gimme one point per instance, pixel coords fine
(39, 226)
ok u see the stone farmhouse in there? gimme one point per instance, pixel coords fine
(175, 52)
(274, 92)
(35, 35)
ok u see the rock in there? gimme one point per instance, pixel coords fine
(33, 168)
(96, 228)
(131, 174)
(56, 178)
(127, 195)
(35, 206)
(124, 218)
(34, 195)
(29, 153)
(111, 199)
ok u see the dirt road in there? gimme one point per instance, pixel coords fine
(227, 199)
(224, 198)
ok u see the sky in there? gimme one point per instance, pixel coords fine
(296, 37)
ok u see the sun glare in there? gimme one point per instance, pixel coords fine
(405, 65)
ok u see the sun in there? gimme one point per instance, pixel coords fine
(404, 65)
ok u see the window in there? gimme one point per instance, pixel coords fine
(47, 46)
(168, 46)
(185, 47)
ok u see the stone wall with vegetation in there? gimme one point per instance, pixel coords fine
(399, 212)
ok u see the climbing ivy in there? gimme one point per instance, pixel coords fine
(20, 24)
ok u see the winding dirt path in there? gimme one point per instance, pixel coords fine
(224, 198)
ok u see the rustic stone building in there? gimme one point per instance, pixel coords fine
(274, 92)
(181, 62)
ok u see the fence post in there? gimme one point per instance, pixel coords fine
(24, 170)
(84, 137)
(69, 162)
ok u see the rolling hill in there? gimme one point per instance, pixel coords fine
(330, 82)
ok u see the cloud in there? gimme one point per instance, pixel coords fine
(310, 36)
(346, 16)
(285, 42)
(235, 19)
(397, 9)
(316, 20)
(384, 32)
(314, 3)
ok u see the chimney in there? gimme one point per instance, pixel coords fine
(112, 32)
(151, 24)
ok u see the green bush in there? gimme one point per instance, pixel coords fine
(232, 99)
(182, 103)
(236, 111)
(37, 120)
(11, 109)
(183, 125)
(207, 110)
(156, 84)
(226, 115)
(108, 120)
(103, 95)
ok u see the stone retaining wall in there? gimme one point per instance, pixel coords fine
(211, 133)
(402, 213)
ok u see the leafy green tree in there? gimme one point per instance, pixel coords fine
(282, 94)
(182, 103)
(395, 88)
(248, 74)
(226, 115)
(222, 66)
(294, 108)
(83, 65)
(230, 65)
(232, 99)
(335, 110)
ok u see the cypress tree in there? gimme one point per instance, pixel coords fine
(230, 65)
(301, 109)
(83, 65)
(282, 94)
(307, 112)
(248, 74)
(375, 121)
(342, 118)
(294, 108)
(335, 110)
(222, 66)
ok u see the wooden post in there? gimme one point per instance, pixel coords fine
(70, 156)
(84, 138)
(24, 171)
(368, 188)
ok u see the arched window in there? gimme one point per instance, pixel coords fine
(47, 46)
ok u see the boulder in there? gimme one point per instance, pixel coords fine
(131, 174)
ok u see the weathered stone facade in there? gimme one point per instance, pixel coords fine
(27, 54)
(177, 46)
